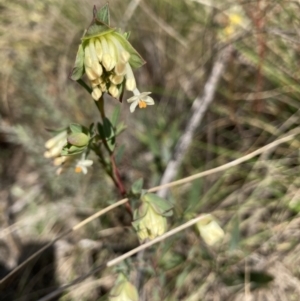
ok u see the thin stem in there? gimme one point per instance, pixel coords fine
(115, 174)
(120, 184)
(100, 106)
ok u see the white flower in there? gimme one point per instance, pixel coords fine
(82, 165)
(140, 99)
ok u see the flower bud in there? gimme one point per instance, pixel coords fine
(78, 139)
(95, 65)
(90, 73)
(151, 224)
(61, 137)
(55, 145)
(116, 79)
(210, 230)
(96, 94)
(113, 91)
(99, 50)
(130, 80)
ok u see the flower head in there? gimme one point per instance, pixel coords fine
(151, 224)
(140, 99)
(150, 218)
(55, 147)
(107, 59)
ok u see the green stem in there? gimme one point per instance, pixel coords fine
(114, 172)
(100, 106)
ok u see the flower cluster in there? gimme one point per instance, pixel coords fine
(55, 146)
(150, 218)
(107, 65)
(107, 59)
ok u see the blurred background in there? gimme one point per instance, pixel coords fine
(257, 203)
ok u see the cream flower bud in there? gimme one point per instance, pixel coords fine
(87, 58)
(99, 50)
(113, 90)
(116, 79)
(59, 160)
(96, 82)
(130, 80)
(96, 94)
(62, 136)
(125, 56)
(120, 68)
(55, 145)
(121, 55)
(90, 73)
(96, 67)
(107, 60)
(210, 230)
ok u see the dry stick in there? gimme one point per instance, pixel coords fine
(199, 108)
(229, 164)
(124, 256)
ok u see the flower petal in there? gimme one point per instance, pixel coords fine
(133, 105)
(133, 99)
(149, 100)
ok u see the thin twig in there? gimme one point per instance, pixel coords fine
(199, 108)
(227, 165)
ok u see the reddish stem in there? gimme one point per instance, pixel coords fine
(119, 183)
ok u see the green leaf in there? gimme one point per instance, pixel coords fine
(135, 60)
(70, 150)
(76, 128)
(109, 133)
(119, 154)
(140, 212)
(160, 205)
(103, 15)
(78, 139)
(137, 186)
(78, 69)
(96, 30)
(120, 128)
(115, 115)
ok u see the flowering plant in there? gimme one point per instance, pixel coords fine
(104, 65)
